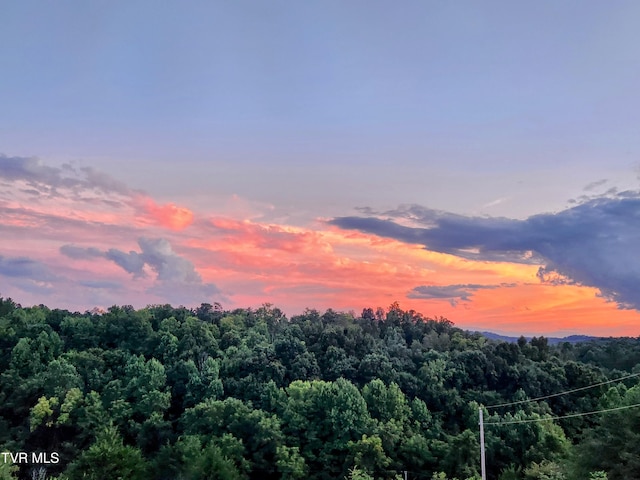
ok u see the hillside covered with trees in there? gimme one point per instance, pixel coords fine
(175, 393)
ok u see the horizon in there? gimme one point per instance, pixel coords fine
(479, 163)
(353, 314)
(99, 310)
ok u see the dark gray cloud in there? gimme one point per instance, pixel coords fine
(131, 262)
(23, 267)
(486, 238)
(610, 192)
(453, 293)
(177, 280)
(28, 274)
(29, 169)
(49, 180)
(594, 243)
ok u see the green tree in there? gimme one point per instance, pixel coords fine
(8, 471)
(258, 431)
(109, 458)
(323, 417)
(545, 470)
(194, 457)
(290, 463)
(368, 454)
(42, 412)
(599, 475)
(613, 445)
(386, 403)
(356, 474)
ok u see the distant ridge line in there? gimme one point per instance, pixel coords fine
(551, 340)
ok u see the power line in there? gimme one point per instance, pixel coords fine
(571, 415)
(546, 419)
(519, 402)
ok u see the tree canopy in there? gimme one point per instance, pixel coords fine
(164, 392)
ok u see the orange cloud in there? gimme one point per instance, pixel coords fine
(348, 268)
(295, 268)
(169, 215)
(270, 237)
(320, 266)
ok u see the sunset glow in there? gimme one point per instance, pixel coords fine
(97, 251)
(338, 156)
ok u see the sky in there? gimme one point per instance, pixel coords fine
(478, 161)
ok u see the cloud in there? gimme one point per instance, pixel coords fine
(475, 238)
(84, 190)
(102, 181)
(79, 253)
(48, 180)
(495, 202)
(594, 185)
(131, 262)
(100, 284)
(453, 293)
(27, 274)
(27, 227)
(176, 279)
(169, 215)
(170, 267)
(595, 243)
(23, 267)
(260, 237)
(28, 169)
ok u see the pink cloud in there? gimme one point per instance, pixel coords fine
(168, 215)
(101, 222)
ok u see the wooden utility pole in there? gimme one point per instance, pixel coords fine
(482, 463)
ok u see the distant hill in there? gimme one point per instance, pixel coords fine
(551, 340)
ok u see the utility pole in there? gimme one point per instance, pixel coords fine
(482, 463)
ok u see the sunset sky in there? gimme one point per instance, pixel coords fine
(478, 161)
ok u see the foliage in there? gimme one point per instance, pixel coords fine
(166, 393)
(7, 470)
(599, 475)
(108, 458)
(356, 474)
(545, 470)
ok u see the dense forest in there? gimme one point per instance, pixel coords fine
(205, 393)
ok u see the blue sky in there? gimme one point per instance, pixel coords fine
(492, 86)
(291, 113)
